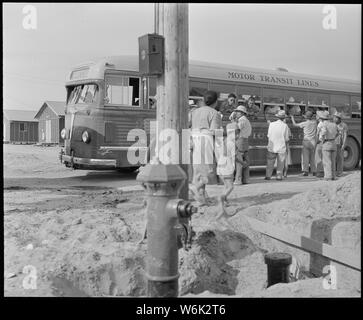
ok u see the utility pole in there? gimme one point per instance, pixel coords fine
(166, 183)
(171, 22)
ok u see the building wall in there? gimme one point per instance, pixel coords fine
(55, 126)
(28, 135)
(6, 130)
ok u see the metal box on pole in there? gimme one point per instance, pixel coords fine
(151, 54)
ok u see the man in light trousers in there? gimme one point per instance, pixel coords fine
(242, 158)
(308, 143)
(319, 148)
(278, 136)
(340, 141)
(328, 135)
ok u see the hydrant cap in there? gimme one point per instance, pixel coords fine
(161, 173)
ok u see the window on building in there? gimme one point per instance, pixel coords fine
(295, 102)
(340, 103)
(356, 106)
(22, 127)
(122, 90)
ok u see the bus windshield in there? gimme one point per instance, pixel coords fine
(83, 94)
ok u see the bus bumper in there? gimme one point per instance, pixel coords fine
(72, 161)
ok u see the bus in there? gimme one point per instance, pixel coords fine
(109, 97)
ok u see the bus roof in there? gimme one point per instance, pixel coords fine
(224, 72)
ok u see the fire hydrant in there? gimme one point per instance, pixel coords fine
(162, 184)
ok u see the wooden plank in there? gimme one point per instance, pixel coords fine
(342, 256)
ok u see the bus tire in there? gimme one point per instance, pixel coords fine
(351, 154)
(127, 170)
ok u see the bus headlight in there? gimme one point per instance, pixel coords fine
(86, 138)
(63, 133)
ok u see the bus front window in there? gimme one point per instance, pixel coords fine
(83, 94)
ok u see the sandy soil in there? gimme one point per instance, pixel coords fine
(75, 233)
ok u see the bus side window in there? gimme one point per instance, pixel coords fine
(122, 90)
(197, 88)
(152, 93)
(356, 106)
(270, 110)
(341, 104)
(250, 97)
(295, 110)
(295, 102)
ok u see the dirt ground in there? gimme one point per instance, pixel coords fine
(76, 233)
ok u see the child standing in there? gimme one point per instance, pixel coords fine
(226, 165)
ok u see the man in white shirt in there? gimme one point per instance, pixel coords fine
(278, 136)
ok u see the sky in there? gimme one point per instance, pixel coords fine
(36, 61)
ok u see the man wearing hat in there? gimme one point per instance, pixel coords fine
(328, 135)
(278, 136)
(340, 141)
(242, 159)
(319, 148)
(309, 142)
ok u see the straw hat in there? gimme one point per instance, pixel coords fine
(241, 109)
(338, 114)
(281, 114)
(324, 115)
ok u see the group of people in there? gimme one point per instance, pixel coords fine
(323, 144)
(322, 148)
(230, 162)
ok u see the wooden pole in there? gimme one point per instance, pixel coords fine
(171, 21)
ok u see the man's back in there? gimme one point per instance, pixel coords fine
(206, 118)
(329, 130)
(309, 127)
(278, 135)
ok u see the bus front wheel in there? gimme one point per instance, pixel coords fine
(351, 154)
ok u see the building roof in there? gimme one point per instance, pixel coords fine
(56, 106)
(20, 115)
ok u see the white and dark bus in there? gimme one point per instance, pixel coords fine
(108, 98)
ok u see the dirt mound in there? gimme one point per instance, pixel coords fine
(88, 245)
(217, 262)
(314, 214)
